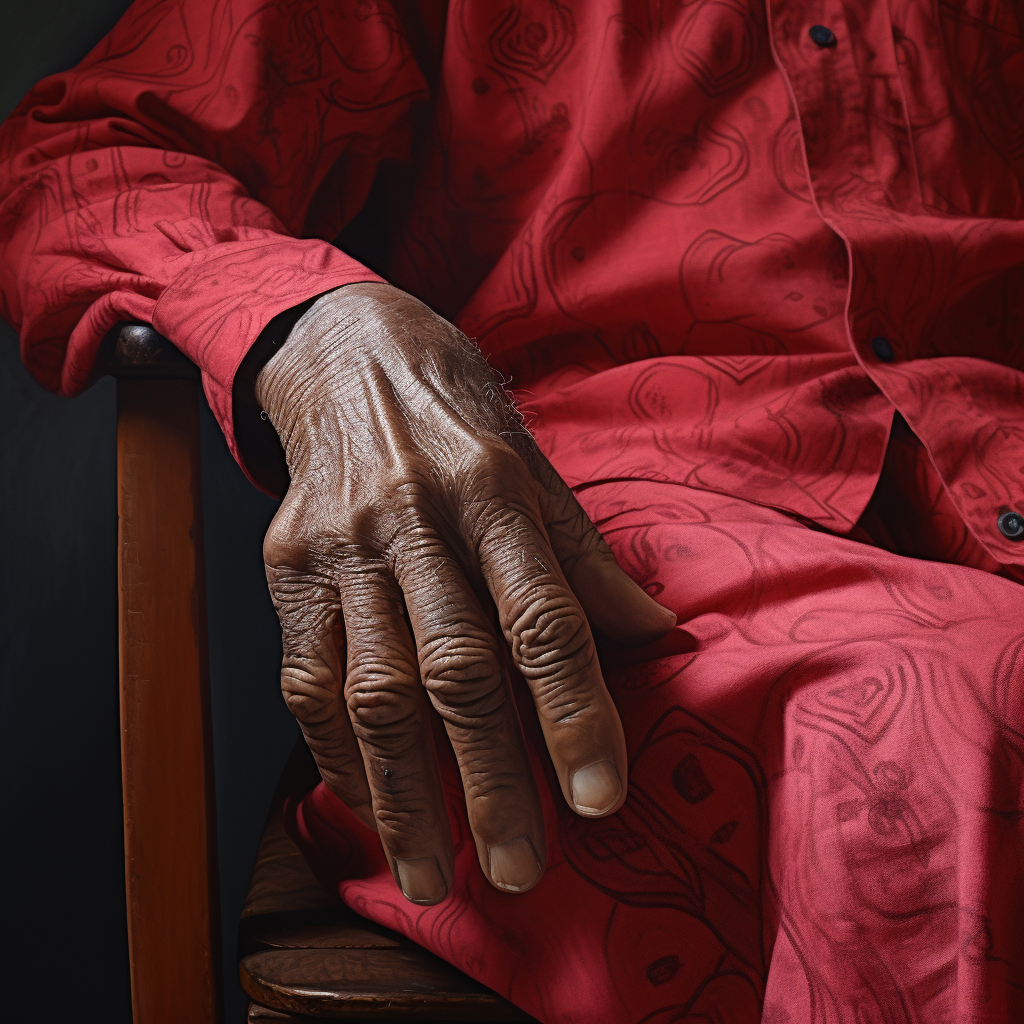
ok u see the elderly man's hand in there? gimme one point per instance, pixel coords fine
(423, 538)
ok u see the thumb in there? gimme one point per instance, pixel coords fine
(615, 605)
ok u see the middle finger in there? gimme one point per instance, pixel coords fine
(462, 672)
(391, 721)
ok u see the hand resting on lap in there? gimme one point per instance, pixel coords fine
(421, 534)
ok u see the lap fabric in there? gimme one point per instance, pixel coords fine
(824, 820)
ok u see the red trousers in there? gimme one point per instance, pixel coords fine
(825, 814)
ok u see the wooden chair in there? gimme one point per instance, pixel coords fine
(303, 955)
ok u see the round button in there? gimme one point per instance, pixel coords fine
(821, 36)
(881, 347)
(1011, 525)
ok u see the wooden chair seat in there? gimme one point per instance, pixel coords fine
(304, 955)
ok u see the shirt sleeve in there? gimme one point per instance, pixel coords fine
(188, 172)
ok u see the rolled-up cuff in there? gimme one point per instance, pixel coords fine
(218, 305)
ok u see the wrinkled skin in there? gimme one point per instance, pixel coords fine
(423, 540)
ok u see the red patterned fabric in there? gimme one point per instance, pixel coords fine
(824, 821)
(716, 258)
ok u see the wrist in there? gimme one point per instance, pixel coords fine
(259, 449)
(317, 361)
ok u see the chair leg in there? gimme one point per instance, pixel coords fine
(167, 768)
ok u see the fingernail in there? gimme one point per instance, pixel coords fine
(421, 880)
(514, 865)
(596, 788)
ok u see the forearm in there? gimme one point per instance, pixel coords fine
(166, 177)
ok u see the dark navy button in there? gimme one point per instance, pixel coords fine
(1011, 525)
(881, 347)
(821, 36)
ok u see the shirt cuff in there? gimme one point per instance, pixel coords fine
(223, 297)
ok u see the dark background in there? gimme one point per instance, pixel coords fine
(64, 907)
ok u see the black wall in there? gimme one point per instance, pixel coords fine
(60, 785)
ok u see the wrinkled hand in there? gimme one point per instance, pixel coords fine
(422, 538)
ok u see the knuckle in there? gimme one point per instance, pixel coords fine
(551, 639)
(373, 706)
(407, 510)
(288, 540)
(408, 479)
(308, 537)
(550, 624)
(307, 607)
(400, 822)
(498, 787)
(492, 772)
(311, 700)
(462, 677)
(381, 706)
(403, 806)
(491, 460)
(414, 535)
(283, 547)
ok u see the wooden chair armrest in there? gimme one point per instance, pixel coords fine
(166, 747)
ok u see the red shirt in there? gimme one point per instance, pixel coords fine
(731, 241)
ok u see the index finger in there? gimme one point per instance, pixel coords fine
(554, 651)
